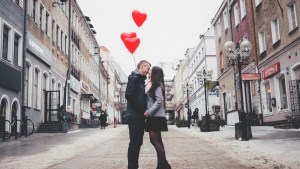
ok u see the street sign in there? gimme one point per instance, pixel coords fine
(250, 76)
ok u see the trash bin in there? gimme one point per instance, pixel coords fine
(238, 130)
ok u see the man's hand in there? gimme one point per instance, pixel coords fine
(146, 114)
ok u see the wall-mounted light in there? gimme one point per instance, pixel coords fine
(62, 2)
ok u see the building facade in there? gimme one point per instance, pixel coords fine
(11, 60)
(202, 60)
(50, 56)
(278, 44)
(234, 22)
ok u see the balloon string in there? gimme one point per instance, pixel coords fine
(134, 60)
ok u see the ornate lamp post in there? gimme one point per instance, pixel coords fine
(237, 55)
(187, 89)
(202, 77)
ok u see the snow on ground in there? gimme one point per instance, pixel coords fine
(268, 149)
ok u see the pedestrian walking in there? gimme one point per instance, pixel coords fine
(136, 106)
(195, 115)
(156, 117)
(103, 119)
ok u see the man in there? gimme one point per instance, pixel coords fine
(102, 119)
(136, 106)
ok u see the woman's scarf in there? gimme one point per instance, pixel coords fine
(148, 85)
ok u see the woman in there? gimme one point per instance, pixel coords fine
(155, 114)
(196, 115)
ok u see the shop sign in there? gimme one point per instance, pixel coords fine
(75, 84)
(38, 49)
(272, 70)
(250, 76)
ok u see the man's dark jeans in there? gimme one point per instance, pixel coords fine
(136, 134)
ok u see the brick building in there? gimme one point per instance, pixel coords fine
(234, 22)
(278, 44)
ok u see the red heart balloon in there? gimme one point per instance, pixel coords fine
(132, 43)
(127, 35)
(139, 17)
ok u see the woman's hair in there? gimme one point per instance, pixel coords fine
(157, 79)
(196, 109)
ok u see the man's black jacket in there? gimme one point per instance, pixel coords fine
(135, 95)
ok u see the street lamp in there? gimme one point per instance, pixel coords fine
(237, 55)
(202, 77)
(187, 89)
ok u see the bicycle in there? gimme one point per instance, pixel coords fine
(20, 128)
(5, 129)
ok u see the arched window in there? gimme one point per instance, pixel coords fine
(53, 84)
(59, 88)
(3, 107)
(36, 88)
(282, 90)
(14, 110)
(26, 84)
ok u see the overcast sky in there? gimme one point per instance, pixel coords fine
(171, 27)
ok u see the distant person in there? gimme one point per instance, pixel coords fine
(103, 119)
(136, 106)
(195, 115)
(156, 117)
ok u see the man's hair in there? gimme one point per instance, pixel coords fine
(142, 62)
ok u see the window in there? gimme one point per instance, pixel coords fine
(36, 88)
(5, 40)
(229, 102)
(292, 14)
(61, 40)
(124, 100)
(53, 31)
(243, 8)
(275, 30)
(41, 17)
(257, 2)
(282, 89)
(221, 60)
(53, 84)
(268, 97)
(59, 88)
(57, 33)
(218, 28)
(47, 23)
(236, 15)
(66, 46)
(262, 42)
(16, 49)
(225, 19)
(34, 9)
(26, 85)
(19, 2)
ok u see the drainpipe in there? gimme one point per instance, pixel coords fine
(23, 73)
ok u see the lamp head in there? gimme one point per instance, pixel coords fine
(245, 47)
(229, 47)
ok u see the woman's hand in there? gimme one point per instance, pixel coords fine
(146, 114)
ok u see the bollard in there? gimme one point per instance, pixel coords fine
(115, 122)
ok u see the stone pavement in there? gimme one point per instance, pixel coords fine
(185, 149)
(107, 149)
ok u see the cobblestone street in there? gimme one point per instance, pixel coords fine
(95, 148)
